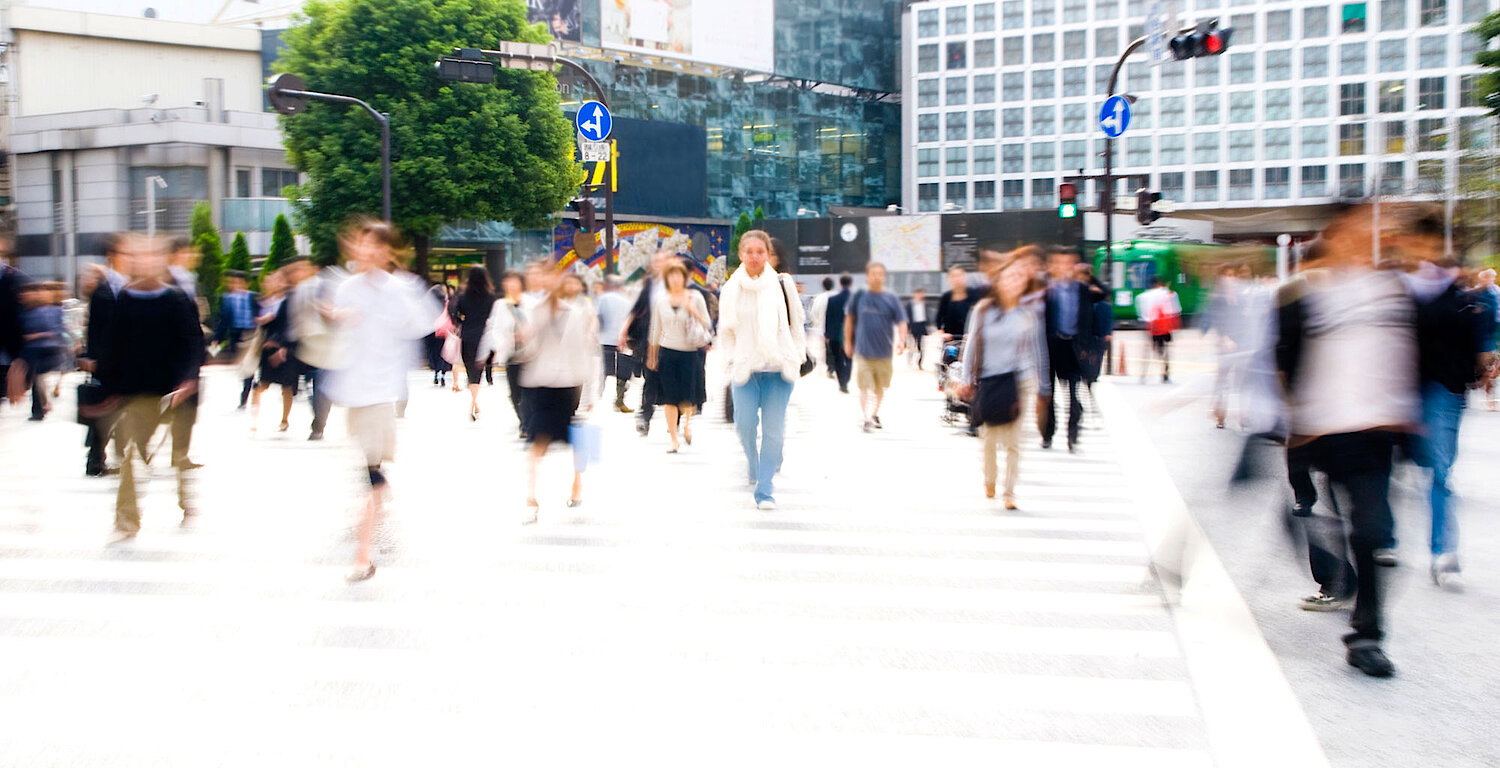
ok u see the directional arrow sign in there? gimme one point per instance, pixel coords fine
(593, 121)
(1114, 118)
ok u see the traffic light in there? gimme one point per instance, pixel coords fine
(1067, 201)
(1145, 199)
(1205, 40)
(469, 67)
(585, 208)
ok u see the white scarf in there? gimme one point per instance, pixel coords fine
(770, 312)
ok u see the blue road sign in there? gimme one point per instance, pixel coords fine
(593, 121)
(1114, 118)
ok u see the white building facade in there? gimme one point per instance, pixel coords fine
(1313, 102)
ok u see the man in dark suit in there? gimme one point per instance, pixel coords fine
(96, 343)
(1070, 333)
(833, 330)
(638, 331)
(10, 314)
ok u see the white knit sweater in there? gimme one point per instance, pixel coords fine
(740, 326)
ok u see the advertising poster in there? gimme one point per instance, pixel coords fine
(728, 33)
(637, 243)
(562, 17)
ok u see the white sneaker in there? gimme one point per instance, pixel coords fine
(1446, 572)
(766, 505)
(869, 425)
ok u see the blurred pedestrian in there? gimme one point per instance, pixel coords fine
(149, 366)
(1093, 345)
(1069, 307)
(278, 364)
(1160, 310)
(874, 333)
(513, 286)
(109, 281)
(955, 305)
(1489, 295)
(42, 339)
(182, 267)
(917, 326)
(637, 337)
(762, 343)
(840, 366)
(613, 309)
(817, 339)
(238, 311)
(384, 312)
(562, 353)
(318, 346)
(432, 343)
(472, 310)
(1004, 367)
(10, 315)
(679, 328)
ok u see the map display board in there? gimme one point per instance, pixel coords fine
(907, 243)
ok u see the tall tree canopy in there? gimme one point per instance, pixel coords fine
(459, 150)
(1487, 88)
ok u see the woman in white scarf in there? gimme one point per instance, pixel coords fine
(760, 335)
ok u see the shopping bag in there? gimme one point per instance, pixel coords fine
(587, 440)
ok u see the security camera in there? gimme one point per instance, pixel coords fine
(150, 98)
(619, 59)
(198, 102)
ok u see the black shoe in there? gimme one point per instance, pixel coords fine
(1370, 660)
(94, 471)
(845, 390)
(314, 437)
(1072, 447)
(878, 425)
(1046, 444)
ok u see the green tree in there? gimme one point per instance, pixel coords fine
(283, 247)
(1487, 85)
(459, 150)
(239, 254)
(210, 255)
(741, 226)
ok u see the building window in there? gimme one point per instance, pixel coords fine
(1043, 48)
(1013, 86)
(241, 182)
(984, 17)
(1075, 155)
(1352, 59)
(984, 124)
(958, 91)
(958, 55)
(1205, 186)
(1013, 122)
(1474, 10)
(274, 180)
(1430, 175)
(1278, 183)
(1241, 146)
(927, 23)
(1205, 148)
(1171, 186)
(1395, 136)
(1475, 132)
(1206, 71)
(1315, 61)
(1013, 158)
(927, 163)
(1392, 179)
(1173, 78)
(1107, 9)
(1278, 26)
(1043, 193)
(1314, 181)
(1137, 77)
(1242, 107)
(984, 193)
(1241, 184)
(984, 53)
(984, 89)
(1432, 136)
(1241, 68)
(958, 194)
(927, 58)
(1392, 15)
(1279, 104)
(1434, 12)
(1314, 101)
(958, 126)
(1352, 99)
(1043, 83)
(927, 127)
(1392, 96)
(1351, 139)
(927, 93)
(1278, 65)
(1013, 194)
(1468, 91)
(1173, 150)
(1140, 115)
(1243, 25)
(1352, 180)
(1393, 55)
(1075, 10)
(1469, 46)
(927, 197)
(1354, 17)
(957, 20)
(1206, 109)
(1075, 82)
(957, 162)
(1043, 156)
(1314, 141)
(1013, 51)
(1043, 121)
(1043, 13)
(1277, 143)
(1101, 78)
(1430, 92)
(1106, 42)
(1013, 14)
(1315, 21)
(1138, 152)
(1075, 118)
(984, 160)
(1432, 52)
(1075, 45)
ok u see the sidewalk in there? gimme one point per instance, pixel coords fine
(887, 613)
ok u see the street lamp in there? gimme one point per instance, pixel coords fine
(289, 95)
(153, 183)
(806, 212)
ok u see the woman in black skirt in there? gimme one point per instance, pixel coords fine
(277, 361)
(679, 328)
(471, 313)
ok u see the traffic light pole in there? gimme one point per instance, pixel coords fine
(289, 98)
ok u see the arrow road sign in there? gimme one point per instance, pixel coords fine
(593, 121)
(1114, 118)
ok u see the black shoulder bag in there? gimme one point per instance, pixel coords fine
(998, 398)
(808, 364)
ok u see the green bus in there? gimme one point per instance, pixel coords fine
(1189, 268)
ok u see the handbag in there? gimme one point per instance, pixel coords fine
(91, 396)
(452, 347)
(698, 335)
(249, 361)
(997, 399)
(808, 363)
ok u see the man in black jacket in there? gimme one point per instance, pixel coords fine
(10, 314)
(638, 331)
(833, 331)
(149, 367)
(111, 279)
(1070, 334)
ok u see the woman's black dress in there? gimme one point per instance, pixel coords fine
(472, 313)
(277, 338)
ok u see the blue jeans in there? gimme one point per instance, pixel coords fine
(1441, 412)
(762, 402)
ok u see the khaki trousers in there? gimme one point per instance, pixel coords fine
(138, 421)
(1008, 435)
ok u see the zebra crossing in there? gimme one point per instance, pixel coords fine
(885, 613)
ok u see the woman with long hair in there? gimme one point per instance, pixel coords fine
(277, 364)
(560, 344)
(1004, 364)
(472, 313)
(679, 327)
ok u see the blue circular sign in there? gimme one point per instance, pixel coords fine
(593, 121)
(1114, 117)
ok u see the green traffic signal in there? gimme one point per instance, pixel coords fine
(1067, 211)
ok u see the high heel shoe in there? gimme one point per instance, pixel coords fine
(473, 414)
(533, 508)
(575, 503)
(281, 427)
(687, 436)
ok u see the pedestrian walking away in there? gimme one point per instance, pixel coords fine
(278, 362)
(917, 326)
(238, 310)
(472, 313)
(613, 309)
(839, 362)
(1161, 311)
(637, 338)
(874, 333)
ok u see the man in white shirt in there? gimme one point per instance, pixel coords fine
(1160, 310)
(613, 309)
(816, 345)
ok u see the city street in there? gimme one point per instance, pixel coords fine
(886, 613)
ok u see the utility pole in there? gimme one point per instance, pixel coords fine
(289, 95)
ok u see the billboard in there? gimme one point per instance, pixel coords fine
(562, 17)
(728, 33)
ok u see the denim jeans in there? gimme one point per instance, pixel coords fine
(1441, 412)
(762, 402)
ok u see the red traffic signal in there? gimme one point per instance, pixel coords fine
(1067, 193)
(1205, 40)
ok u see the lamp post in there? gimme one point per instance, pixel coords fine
(289, 95)
(152, 184)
